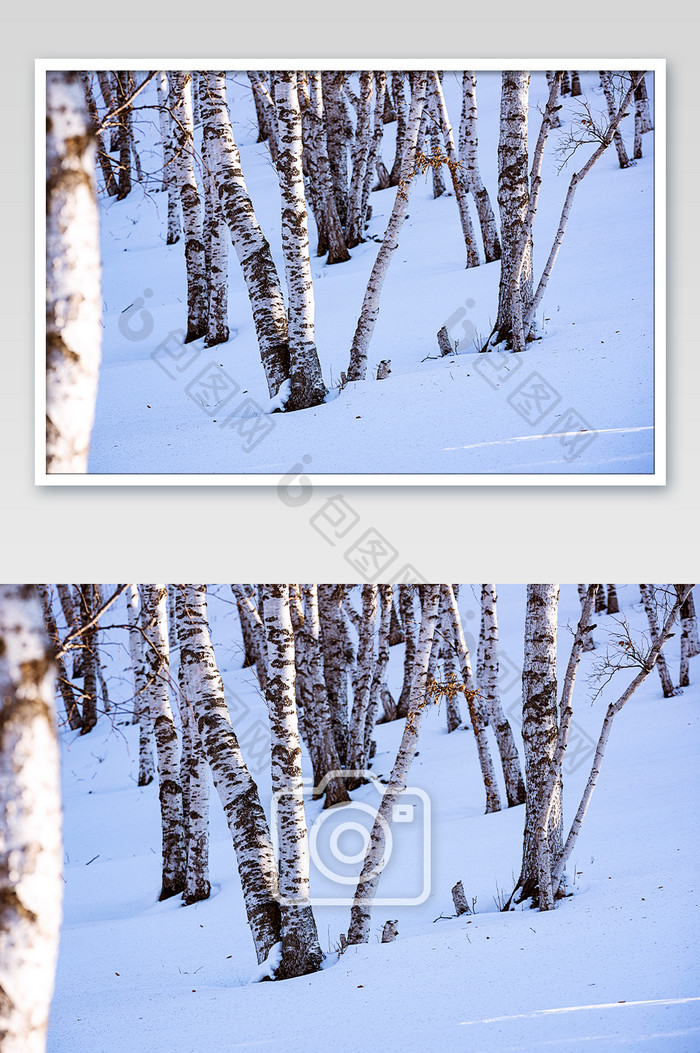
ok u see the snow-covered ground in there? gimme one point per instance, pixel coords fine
(579, 401)
(613, 966)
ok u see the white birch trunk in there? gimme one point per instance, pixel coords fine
(250, 615)
(360, 157)
(73, 717)
(588, 641)
(169, 183)
(215, 240)
(73, 293)
(375, 141)
(183, 168)
(368, 883)
(362, 683)
(142, 714)
(491, 698)
(333, 233)
(449, 667)
(488, 774)
(89, 657)
(301, 951)
(357, 369)
(193, 767)
(338, 656)
(513, 197)
(398, 92)
(154, 621)
(457, 183)
(613, 709)
(386, 604)
(554, 773)
(609, 93)
(237, 790)
(688, 631)
(31, 854)
(308, 388)
(539, 731)
(468, 155)
(647, 593)
(322, 729)
(338, 136)
(249, 242)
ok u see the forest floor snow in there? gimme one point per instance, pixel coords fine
(580, 400)
(614, 966)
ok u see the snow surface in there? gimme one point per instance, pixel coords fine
(613, 966)
(157, 411)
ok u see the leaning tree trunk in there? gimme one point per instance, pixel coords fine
(357, 369)
(647, 594)
(540, 724)
(361, 913)
(493, 798)
(588, 641)
(301, 951)
(608, 91)
(249, 242)
(157, 694)
(31, 855)
(75, 721)
(513, 198)
(73, 294)
(491, 698)
(237, 790)
(183, 167)
(458, 185)
(307, 387)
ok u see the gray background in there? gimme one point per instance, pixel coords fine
(508, 533)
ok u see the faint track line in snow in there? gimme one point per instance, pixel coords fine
(551, 435)
(579, 1008)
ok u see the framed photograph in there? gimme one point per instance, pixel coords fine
(369, 276)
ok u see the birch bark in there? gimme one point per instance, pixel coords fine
(491, 698)
(249, 242)
(540, 730)
(183, 169)
(357, 369)
(237, 790)
(308, 388)
(73, 293)
(157, 696)
(647, 594)
(361, 912)
(301, 951)
(488, 774)
(73, 717)
(31, 854)
(458, 185)
(142, 715)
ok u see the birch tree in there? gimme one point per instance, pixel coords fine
(491, 699)
(110, 182)
(360, 157)
(612, 601)
(142, 714)
(453, 163)
(331, 236)
(215, 242)
(183, 168)
(649, 602)
(468, 155)
(194, 773)
(362, 681)
(488, 774)
(301, 951)
(408, 619)
(646, 662)
(89, 656)
(235, 786)
(539, 730)
(31, 854)
(398, 94)
(606, 81)
(378, 687)
(157, 695)
(73, 293)
(357, 369)
(169, 183)
(249, 242)
(588, 642)
(361, 912)
(75, 721)
(338, 657)
(307, 387)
